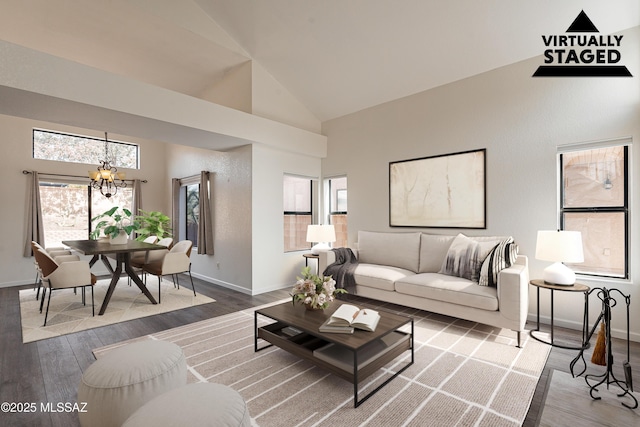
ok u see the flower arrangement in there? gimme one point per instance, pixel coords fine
(315, 291)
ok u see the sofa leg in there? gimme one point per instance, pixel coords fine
(519, 339)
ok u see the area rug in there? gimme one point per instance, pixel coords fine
(67, 314)
(568, 404)
(465, 374)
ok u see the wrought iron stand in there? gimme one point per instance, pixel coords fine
(593, 381)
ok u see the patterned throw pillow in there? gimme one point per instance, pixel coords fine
(464, 257)
(503, 256)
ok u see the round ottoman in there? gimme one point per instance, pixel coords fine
(126, 378)
(199, 404)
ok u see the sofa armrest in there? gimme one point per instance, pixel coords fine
(513, 291)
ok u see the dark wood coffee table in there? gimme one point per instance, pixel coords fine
(296, 330)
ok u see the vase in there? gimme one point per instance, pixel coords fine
(120, 239)
(312, 308)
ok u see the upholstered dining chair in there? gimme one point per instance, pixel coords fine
(139, 259)
(65, 275)
(59, 254)
(177, 260)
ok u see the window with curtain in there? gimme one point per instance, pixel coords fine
(298, 212)
(68, 206)
(594, 199)
(192, 211)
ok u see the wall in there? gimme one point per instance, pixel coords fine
(520, 120)
(16, 142)
(272, 267)
(230, 266)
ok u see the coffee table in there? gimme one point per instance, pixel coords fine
(295, 329)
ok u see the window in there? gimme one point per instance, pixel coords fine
(594, 199)
(192, 212)
(67, 209)
(298, 212)
(337, 202)
(83, 149)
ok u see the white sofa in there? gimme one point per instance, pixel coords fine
(403, 268)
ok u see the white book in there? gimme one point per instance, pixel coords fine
(325, 327)
(350, 315)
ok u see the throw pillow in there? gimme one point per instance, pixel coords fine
(460, 257)
(503, 256)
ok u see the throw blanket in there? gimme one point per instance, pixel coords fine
(342, 270)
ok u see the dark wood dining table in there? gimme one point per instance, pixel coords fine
(100, 248)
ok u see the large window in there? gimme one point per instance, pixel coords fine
(67, 209)
(83, 149)
(298, 212)
(337, 203)
(594, 199)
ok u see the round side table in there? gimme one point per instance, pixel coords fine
(576, 287)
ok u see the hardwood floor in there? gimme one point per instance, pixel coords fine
(49, 371)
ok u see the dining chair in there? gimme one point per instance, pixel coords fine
(64, 275)
(59, 254)
(139, 259)
(177, 260)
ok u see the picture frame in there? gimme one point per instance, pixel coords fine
(443, 191)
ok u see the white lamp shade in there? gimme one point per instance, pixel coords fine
(559, 246)
(321, 235)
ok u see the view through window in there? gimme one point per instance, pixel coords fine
(338, 209)
(297, 212)
(594, 201)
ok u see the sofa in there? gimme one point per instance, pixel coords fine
(446, 274)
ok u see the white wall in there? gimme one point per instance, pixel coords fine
(272, 267)
(16, 142)
(230, 266)
(520, 120)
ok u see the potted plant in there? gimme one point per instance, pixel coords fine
(115, 223)
(152, 223)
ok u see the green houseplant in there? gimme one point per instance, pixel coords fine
(112, 222)
(152, 223)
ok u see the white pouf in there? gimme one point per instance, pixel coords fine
(126, 378)
(200, 404)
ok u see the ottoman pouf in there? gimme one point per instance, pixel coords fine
(126, 378)
(199, 404)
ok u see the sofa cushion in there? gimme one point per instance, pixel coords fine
(455, 290)
(433, 250)
(379, 276)
(400, 250)
(502, 256)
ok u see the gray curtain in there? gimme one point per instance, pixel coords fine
(175, 208)
(35, 227)
(136, 202)
(205, 227)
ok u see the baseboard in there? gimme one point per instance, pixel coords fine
(570, 324)
(222, 283)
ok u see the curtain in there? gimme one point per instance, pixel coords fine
(35, 226)
(205, 227)
(136, 202)
(175, 208)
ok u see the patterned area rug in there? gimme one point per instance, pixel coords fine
(464, 374)
(68, 315)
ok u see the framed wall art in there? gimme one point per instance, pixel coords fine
(445, 191)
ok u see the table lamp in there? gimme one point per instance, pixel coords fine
(559, 246)
(322, 235)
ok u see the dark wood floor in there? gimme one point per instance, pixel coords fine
(50, 370)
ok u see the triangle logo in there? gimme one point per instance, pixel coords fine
(582, 24)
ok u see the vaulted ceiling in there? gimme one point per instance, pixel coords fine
(335, 56)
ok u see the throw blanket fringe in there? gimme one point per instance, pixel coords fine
(342, 270)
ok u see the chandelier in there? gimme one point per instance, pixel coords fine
(106, 178)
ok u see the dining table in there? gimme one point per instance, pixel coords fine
(122, 254)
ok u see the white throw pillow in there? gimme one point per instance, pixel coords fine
(465, 256)
(502, 256)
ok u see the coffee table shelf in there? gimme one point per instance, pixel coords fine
(310, 339)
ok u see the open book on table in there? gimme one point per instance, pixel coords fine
(348, 315)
